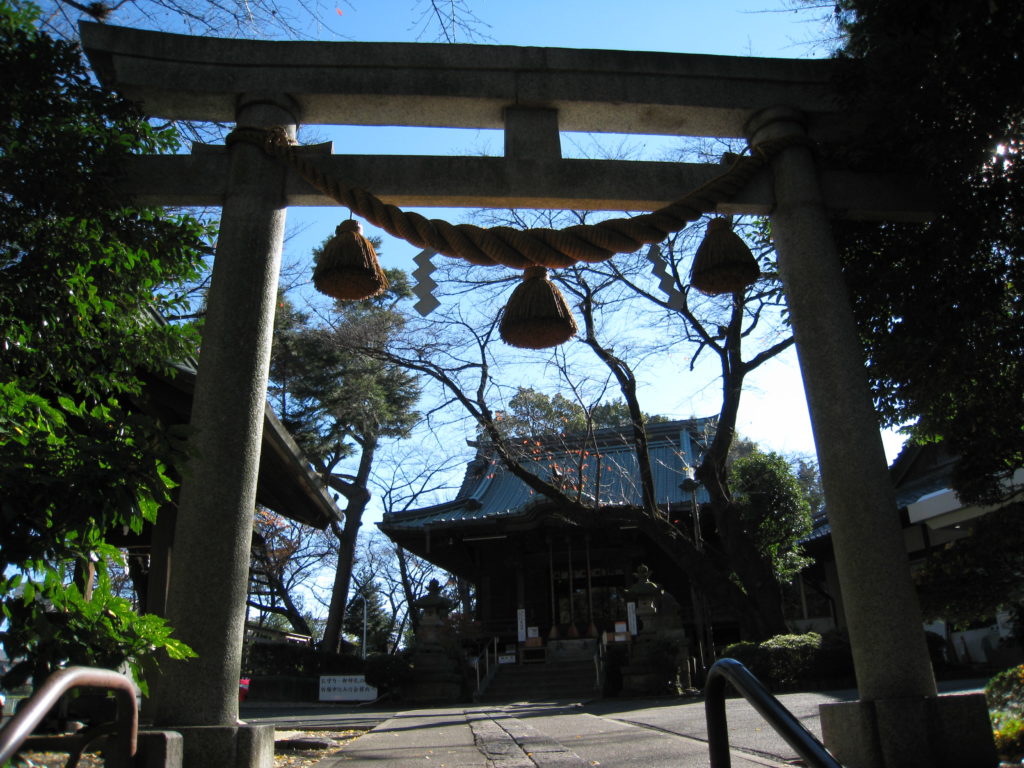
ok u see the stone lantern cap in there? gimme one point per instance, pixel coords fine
(433, 600)
(644, 587)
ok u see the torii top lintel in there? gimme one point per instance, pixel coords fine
(459, 86)
(531, 93)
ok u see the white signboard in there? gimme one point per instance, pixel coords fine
(346, 688)
(521, 624)
(631, 617)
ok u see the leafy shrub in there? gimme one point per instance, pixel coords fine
(47, 630)
(1005, 697)
(1005, 691)
(388, 673)
(1009, 737)
(744, 652)
(298, 660)
(784, 659)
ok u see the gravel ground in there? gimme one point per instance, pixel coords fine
(297, 749)
(292, 749)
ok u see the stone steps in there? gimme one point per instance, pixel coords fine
(543, 682)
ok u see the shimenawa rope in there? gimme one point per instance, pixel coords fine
(520, 249)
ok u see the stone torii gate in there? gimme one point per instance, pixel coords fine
(532, 93)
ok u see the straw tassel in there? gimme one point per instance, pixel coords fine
(537, 315)
(348, 267)
(723, 263)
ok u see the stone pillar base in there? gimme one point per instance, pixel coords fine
(935, 732)
(154, 749)
(159, 749)
(227, 746)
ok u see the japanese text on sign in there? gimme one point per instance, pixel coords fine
(346, 688)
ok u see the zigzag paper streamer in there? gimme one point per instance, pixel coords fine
(425, 284)
(665, 281)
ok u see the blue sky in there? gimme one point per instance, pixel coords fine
(774, 411)
(730, 27)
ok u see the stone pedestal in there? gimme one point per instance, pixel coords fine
(437, 676)
(579, 649)
(227, 746)
(928, 732)
(153, 749)
(162, 749)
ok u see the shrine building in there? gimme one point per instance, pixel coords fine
(541, 573)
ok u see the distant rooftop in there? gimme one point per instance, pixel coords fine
(601, 468)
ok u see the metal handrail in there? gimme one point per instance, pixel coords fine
(489, 670)
(770, 708)
(21, 725)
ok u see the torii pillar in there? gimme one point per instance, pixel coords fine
(199, 697)
(899, 719)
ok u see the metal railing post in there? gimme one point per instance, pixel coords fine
(488, 670)
(771, 709)
(21, 725)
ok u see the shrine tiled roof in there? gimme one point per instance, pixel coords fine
(605, 467)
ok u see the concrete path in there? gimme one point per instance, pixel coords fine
(627, 734)
(630, 733)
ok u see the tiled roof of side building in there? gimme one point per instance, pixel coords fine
(915, 473)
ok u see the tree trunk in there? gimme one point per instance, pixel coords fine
(342, 577)
(287, 608)
(358, 497)
(762, 615)
(263, 565)
(403, 570)
(763, 590)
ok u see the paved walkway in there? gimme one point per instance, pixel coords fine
(629, 733)
(656, 733)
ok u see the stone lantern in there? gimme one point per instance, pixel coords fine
(437, 670)
(660, 646)
(647, 596)
(434, 610)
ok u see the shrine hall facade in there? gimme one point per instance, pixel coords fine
(522, 553)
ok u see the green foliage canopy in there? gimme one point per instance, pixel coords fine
(329, 394)
(532, 413)
(773, 510)
(340, 401)
(939, 305)
(80, 273)
(380, 623)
